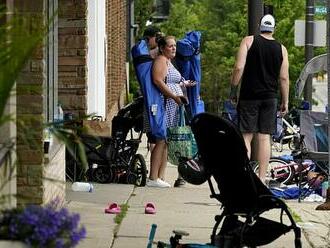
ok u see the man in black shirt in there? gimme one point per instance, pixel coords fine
(260, 62)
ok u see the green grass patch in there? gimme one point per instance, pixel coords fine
(119, 217)
(295, 216)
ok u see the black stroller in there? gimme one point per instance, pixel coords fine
(114, 159)
(243, 196)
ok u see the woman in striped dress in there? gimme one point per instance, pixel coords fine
(169, 82)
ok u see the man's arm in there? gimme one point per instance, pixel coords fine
(239, 66)
(241, 60)
(284, 82)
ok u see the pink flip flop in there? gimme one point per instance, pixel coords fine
(113, 208)
(150, 208)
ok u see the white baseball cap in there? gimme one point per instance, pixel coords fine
(267, 23)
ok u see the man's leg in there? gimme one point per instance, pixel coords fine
(248, 139)
(263, 154)
(266, 126)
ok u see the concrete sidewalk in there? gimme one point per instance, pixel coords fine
(188, 208)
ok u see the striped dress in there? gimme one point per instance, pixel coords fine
(173, 79)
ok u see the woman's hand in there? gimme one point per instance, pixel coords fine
(180, 100)
(189, 83)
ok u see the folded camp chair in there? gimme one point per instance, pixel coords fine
(312, 144)
(241, 193)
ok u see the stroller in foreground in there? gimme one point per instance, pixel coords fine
(243, 196)
(115, 158)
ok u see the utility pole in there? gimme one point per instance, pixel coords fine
(328, 74)
(255, 12)
(309, 52)
(326, 205)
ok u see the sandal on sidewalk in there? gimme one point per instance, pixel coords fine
(113, 208)
(150, 208)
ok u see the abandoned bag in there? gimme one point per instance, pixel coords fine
(181, 141)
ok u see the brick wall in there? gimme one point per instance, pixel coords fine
(33, 170)
(116, 51)
(72, 59)
(30, 114)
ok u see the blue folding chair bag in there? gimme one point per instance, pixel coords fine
(185, 47)
(189, 65)
(153, 98)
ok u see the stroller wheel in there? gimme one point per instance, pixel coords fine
(102, 174)
(137, 173)
(89, 173)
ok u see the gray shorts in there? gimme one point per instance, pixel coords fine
(257, 116)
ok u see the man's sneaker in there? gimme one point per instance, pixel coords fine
(157, 183)
(179, 182)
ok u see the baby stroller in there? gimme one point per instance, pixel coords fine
(114, 159)
(243, 203)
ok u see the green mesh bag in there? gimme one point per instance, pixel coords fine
(181, 141)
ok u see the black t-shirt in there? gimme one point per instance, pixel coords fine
(262, 69)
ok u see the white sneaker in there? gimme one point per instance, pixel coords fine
(168, 185)
(157, 183)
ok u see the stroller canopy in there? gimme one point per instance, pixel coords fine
(189, 65)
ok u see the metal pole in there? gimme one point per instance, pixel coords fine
(130, 27)
(328, 73)
(309, 52)
(255, 12)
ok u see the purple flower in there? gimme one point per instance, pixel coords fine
(37, 226)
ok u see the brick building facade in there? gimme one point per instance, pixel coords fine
(72, 49)
(30, 156)
(58, 71)
(117, 35)
(72, 55)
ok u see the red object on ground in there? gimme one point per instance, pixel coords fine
(150, 208)
(113, 208)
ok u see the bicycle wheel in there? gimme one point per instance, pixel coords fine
(137, 173)
(278, 170)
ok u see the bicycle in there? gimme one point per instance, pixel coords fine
(284, 171)
(286, 133)
(278, 170)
